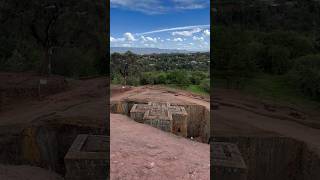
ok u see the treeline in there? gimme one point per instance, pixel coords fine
(276, 37)
(243, 54)
(170, 69)
(267, 15)
(60, 37)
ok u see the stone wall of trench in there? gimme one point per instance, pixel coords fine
(276, 158)
(198, 122)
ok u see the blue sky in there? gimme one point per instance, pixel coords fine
(165, 24)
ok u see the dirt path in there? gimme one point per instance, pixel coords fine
(156, 94)
(117, 93)
(83, 100)
(139, 151)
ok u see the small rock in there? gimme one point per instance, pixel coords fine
(150, 166)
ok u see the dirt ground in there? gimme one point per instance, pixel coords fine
(83, 100)
(139, 151)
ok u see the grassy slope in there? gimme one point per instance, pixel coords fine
(276, 89)
(196, 89)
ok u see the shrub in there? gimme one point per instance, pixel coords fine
(306, 75)
(205, 85)
(197, 76)
(178, 77)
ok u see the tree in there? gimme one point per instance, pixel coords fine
(40, 32)
(306, 75)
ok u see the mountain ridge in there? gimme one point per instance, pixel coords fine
(138, 50)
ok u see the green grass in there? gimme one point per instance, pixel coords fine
(275, 88)
(191, 88)
(196, 89)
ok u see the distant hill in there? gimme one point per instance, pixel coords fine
(147, 50)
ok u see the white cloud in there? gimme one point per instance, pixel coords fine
(144, 6)
(186, 33)
(177, 39)
(112, 39)
(168, 39)
(206, 32)
(191, 4)
(151, 39)
(175, 29)
(198, 38)
(146, 39)
(129, 36)
(159, 6)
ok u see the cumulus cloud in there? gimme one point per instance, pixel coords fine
(178, 39)
(186, 33)
(129, 36)
(112, 39)
(206, 32)
(146, 39)
(198, 38)
(151, 39)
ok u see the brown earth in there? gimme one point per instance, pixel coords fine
(157, 93)
(139, 151)
(84, 100)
